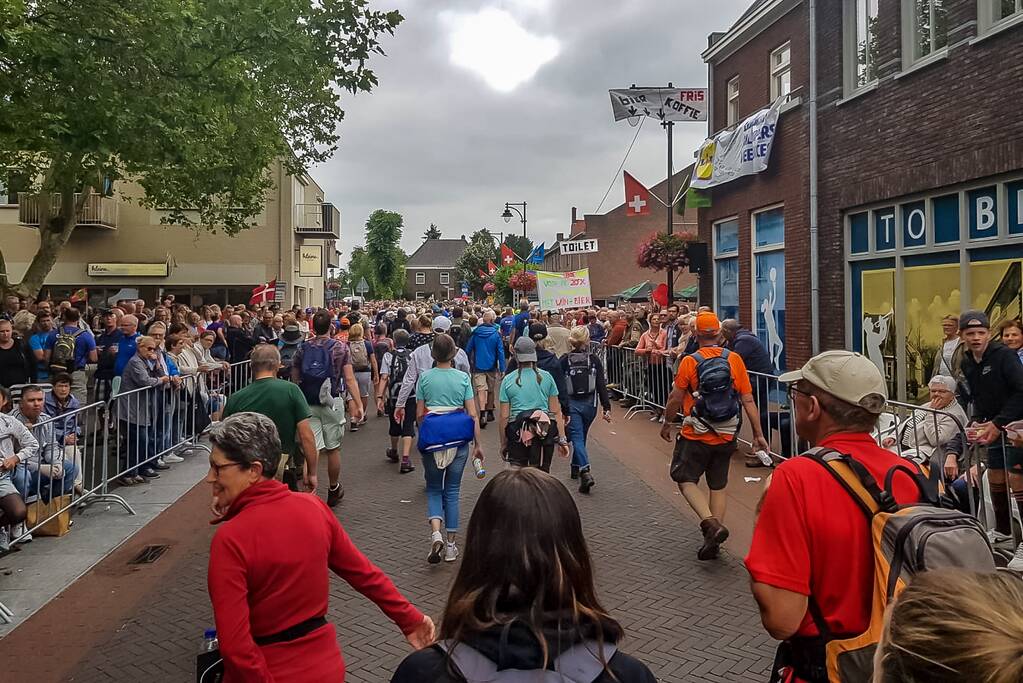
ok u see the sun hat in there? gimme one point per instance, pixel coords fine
(846, 375)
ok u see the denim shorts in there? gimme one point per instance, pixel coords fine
(999, 456)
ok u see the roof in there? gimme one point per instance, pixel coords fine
(757, 17)
(437, 253)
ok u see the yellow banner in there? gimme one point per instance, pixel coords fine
(128, 269)
(564, 290)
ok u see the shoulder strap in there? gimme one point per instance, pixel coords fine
(855, 479)
(725, 353)
(697, 356)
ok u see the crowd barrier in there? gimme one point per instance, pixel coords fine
(83, 453)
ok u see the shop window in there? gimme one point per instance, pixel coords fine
(931, 292)
(946, 219)
(859, 233)
(983, 212)
(769, 282)
(925, 29)
(1014, 193)
(873, 319)
(884, 229)
(914, 224)
(996, 287)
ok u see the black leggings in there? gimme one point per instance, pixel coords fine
(12, 510)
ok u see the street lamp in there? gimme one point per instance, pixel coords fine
(507, 216)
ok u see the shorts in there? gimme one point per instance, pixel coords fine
(365, 381)
(328, 425)
(693, 459)
(484, 381)
(999, 457)
(7, 487)
(408, 425)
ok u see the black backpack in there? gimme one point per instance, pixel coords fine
(399, 366)
(288, 352)
(716, 398)
(581, 375)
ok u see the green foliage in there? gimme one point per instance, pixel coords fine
(383, 235)
(474, 259)
(193, 100)
(501, 278)
(522, 246)
(432, 232)
(359, 266)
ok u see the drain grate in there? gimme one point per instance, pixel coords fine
(149, 554)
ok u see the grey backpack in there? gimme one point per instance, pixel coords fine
(578, 664)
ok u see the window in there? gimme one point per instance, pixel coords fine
(12, 182)
(769, 282)
(925, 28)
(445, 278)
(781, 72)
(420, 278)
(861, 52)
(733, 102)
(726, 268)
(1007, 8)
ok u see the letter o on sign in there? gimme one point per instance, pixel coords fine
(916, 224)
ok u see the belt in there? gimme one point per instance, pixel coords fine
(292, 632)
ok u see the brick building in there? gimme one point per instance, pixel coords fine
(430, 271)
(613, 268)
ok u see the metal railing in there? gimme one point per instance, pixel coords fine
(321, 221)
(98, 211)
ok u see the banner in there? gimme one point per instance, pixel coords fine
(743, 151)
(310, 263)
(564, 290)
(664, 104)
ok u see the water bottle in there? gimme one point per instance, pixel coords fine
(477, 465)
(209, 640)
(764, 457)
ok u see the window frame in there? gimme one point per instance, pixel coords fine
(445, 277)
(779, 70)
(987, 21)
(420, 278)
(909, 35)
(850, 46)
(758, 250)
(732, 101)
(718, 256)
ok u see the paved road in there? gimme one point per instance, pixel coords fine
(690, 621)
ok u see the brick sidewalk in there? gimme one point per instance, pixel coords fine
(688, 620)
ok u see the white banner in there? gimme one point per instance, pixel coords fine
(665, 104)
(563, 290)
(742, 151)
(578, 247)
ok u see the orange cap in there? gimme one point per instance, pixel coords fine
(707, 322)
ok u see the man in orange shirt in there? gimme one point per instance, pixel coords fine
(713, 389)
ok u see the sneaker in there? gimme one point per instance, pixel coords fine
(436, 546)
(392, 454)
(483, 423)
(997, 537)
(586, 481)
(714, 534)
(5, 539)
(149, 474)
(451, 553)
(172, 458)
(139, 479)
(655, 418)
(406, 467)
(22, 531)
(335, 494)
(354, 427)
(158, 465)
(1016, 563)
(575, 471)
(126, 481)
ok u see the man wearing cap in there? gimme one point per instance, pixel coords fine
(812, 541)
(420, 361)
(994, 381)
(703, 447)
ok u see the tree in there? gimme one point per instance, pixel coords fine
(481, 249)
(193, 101)
(432, 232)
(359, 267)
(522, 246)
(504, 292)
(383, 234)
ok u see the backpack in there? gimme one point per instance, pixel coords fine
(288, 352)
(399, 366)
(907, 540)
(460, 333)
(63, 355)
(581, 375)
(360, 356)
(580, 663)
(717, 400)
(317, 368)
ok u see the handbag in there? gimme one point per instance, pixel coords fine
(443, 430)
(39, 510)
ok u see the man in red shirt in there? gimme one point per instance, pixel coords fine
(811, 540)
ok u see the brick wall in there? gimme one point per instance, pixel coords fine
(433, 287)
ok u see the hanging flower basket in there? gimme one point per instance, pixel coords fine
(523, 281)
(490, 288)
(333, 286)
(663, 251)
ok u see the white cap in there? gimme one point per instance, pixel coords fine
(846, 375)
(441, 324)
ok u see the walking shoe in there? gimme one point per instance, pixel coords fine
(436, 546)
(158, 465)
(354, 427)
(575, 471)
(586, 481)
(996, 537)
(126, 481)
(335, 494)
(406, 466)
(392, 454)
(22, 531)
(138, 479)
(714, 534)
(490, 416)
(451, 553)
(149, 474)
(173, 458)
(483, 422)
(1016, 563)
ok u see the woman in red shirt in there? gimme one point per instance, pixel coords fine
(268, 577)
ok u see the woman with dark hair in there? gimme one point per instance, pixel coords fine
(268, 580)
(524, 597)
(530, 420)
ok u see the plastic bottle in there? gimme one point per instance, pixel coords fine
(764, 457)
(477, 466)
(209, 640)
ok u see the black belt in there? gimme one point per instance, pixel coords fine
(292, 632)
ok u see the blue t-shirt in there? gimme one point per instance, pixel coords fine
(527, 394)
(521, 320)
(85, 344)
(42, 341)
(444, 387)
(125, 350)
(506, 325)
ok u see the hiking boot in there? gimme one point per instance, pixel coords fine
(335, 494)
(392, 454)
(586, 481)
(714, 534)
(1016, 564)
(406, 466)
(436, 547)
(575, 471)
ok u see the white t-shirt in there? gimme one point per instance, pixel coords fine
(948, 349)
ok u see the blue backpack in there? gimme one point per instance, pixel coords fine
(717, 401)
(317, 368)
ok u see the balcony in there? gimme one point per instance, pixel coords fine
(333, 258)
(318, 221)
(98, 211)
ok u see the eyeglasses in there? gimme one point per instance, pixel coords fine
(791, 389)
(215, 468)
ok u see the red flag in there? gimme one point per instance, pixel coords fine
(637, 197)
(507, 255)
(491, 267)
(79, 295)
(263, 293)
(482, 274)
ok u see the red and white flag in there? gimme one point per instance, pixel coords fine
(264, 293)
(637, 197)
(491, 267)
(481, 273)
(507, 255)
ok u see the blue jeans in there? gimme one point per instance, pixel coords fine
(31, 483)
(582, 413)
(139, 446)
(443, 487)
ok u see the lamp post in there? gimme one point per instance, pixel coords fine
(507, 216)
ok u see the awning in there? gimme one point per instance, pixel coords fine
(643, 290)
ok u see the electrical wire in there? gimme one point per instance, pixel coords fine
(618, 172)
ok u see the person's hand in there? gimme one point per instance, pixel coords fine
(666, 431)
(71, 439)
(887, 442)
(951, 466)
(399, 415)
(568, 418)
(988, 433)
(607, 416)
(53, 471)
(10, 462)
(760, 444)
(477, 452)
(216, 508)
(309, 482)
(357, 414)
(423, 635)
(563, 450)
(380, 404)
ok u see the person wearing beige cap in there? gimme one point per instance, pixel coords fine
(812, 548)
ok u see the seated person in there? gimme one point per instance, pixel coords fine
(47, 473)
(68, 430)
(16, 445)
(930, 429)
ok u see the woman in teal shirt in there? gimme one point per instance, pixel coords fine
(524, 391)
(444, 388)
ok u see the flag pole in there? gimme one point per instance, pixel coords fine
(671, 170)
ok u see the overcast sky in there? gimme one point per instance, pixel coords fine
(486, 101)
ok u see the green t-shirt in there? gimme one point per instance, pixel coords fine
(444, 387)
(528, 394)
(281, 401)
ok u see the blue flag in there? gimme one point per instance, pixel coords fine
(536, 256)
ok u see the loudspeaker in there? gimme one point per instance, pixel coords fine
(697, 257)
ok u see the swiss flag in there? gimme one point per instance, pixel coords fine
(491, 267)
(637, 197)
(507, 255)
(482, 274)
(263, 293)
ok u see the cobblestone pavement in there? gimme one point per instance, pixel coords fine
(688, 620)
